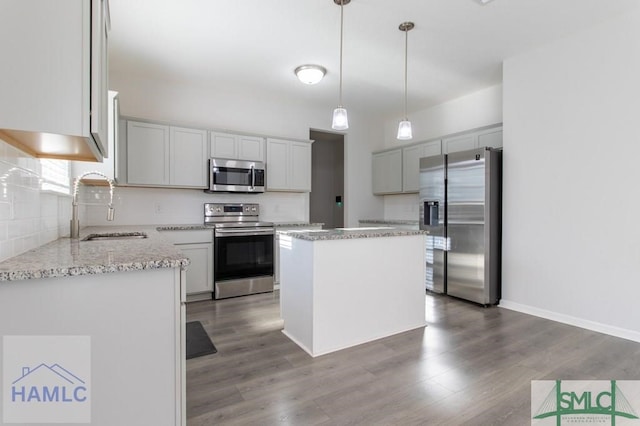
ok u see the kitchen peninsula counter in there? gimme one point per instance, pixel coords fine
(345, 287)
(65, 257)
(125, 299)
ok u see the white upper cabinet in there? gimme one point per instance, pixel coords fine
(188, 162)
(107, 167)
(397, 170)
(482, 138)
(250, 148)
(147, 153)
(236, 146)
(300, 166)
(162, 155)
(411, 156)
(387, 172)
(54, 77)
(459, 143)
(288, 165)
(491, 138)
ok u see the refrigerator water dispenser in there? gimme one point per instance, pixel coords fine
(431, 212)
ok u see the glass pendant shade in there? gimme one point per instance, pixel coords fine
(340, 120)
(404, 130)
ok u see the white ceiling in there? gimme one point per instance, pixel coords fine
(251, 47)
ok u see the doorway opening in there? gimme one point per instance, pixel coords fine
(326, 200)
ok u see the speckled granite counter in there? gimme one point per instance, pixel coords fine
(389, 221)
(65, 257)
(186, 227)
(297, 224)
(350, 233)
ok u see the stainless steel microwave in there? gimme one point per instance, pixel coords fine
(236, 176)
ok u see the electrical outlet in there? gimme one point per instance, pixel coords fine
(159, 209)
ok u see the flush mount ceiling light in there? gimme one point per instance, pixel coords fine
(310, 74)
(340, 120)
(404, 128)
(483, 2)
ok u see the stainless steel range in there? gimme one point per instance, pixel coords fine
(243, 249)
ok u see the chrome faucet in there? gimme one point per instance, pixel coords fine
(75, 222)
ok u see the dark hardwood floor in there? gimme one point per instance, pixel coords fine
(470, 365)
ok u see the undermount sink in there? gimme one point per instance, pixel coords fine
(115, 236)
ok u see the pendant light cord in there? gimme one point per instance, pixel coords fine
(341, 30)
(406, 50)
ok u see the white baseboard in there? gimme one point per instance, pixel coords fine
(567, 319)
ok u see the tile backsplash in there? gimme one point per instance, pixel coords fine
(29, 216)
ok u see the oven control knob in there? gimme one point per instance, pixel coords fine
(218, 209)
(253, 209)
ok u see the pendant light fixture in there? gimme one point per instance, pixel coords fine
(404, 128)
(340, 120)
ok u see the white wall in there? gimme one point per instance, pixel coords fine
(275, 116)
(29, 217)
(468, 112)
(571, 235)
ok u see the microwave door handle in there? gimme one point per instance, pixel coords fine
(253, 178)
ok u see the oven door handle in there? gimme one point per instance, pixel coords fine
(243, 232)
(253, 178)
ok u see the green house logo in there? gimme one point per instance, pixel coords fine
(585, 402)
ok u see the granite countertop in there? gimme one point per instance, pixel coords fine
(197, 226)
(350, 233)
(186, 227)
(296, 224)
(66, 257)
(390, 221)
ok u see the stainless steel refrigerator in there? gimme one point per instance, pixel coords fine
(461, 210)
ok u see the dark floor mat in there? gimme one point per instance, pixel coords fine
(198, 341)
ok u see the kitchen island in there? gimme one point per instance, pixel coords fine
(123, 300)
(344, 287)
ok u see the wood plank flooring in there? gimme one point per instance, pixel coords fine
(470, 365)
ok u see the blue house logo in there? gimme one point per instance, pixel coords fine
(48, 384)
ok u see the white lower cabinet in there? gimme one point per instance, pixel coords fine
(197, 245)
(134, 321)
